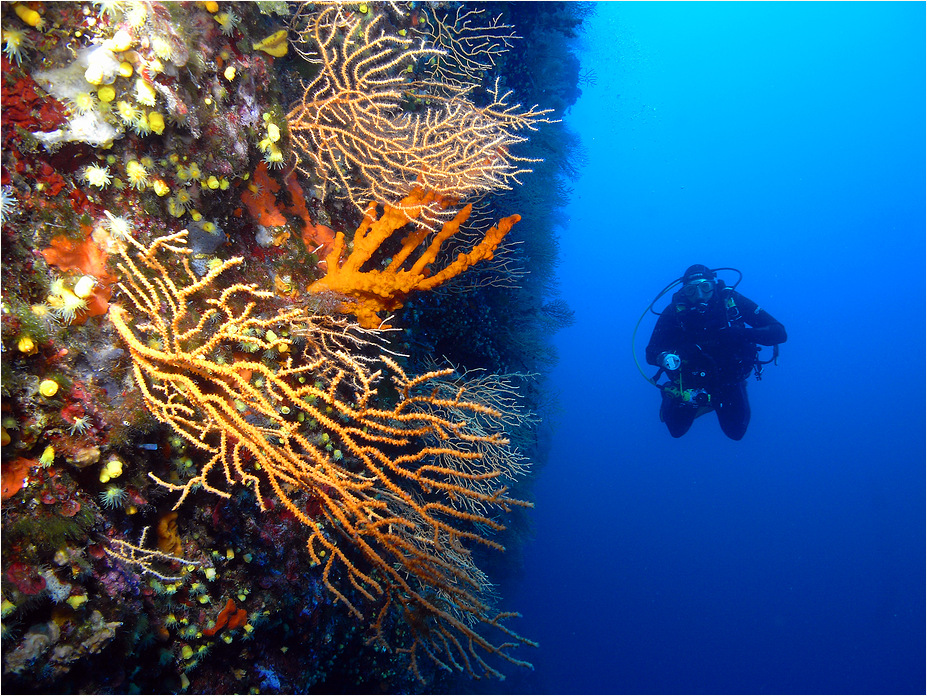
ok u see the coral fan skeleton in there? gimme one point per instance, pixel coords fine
(350, 121)
(387, 500)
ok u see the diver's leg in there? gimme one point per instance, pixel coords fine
(677, 415)
(734, 410)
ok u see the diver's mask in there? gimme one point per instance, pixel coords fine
(698, 293)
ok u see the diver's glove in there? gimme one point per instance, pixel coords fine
(669, 361)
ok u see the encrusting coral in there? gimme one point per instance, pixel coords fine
(307, 425)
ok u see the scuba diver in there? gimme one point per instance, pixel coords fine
(706, 343)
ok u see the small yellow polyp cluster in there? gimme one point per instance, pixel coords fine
(65, 303)
(268, 145)
(111, 470)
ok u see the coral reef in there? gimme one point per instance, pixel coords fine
(217, 475)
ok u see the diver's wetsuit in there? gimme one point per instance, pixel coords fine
(717, 348)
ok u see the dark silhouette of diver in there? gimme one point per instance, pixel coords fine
(705, 342)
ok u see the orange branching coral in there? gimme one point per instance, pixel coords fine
(385, 290)
(385, 479)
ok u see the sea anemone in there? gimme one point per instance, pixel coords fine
(8, 203)
(84, 103)
(14, 42)
(227, 21)
(127, 111)
(184, 199)
(98, 176)
(119, 227)
(80, 425)
(113, 8)
(162, 48)
(137, 175)
(113, 496)
(140, 125)
(66, 305)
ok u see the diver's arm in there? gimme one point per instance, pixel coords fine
(765, 330)
(661, 339)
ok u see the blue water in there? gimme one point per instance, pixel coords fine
(786, 140)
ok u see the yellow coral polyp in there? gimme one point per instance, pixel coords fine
(26, 345)
(137, 175)
(84, 287)
(127, 111)
(106, 94)
(14, 41)
(97, 176)
(84, 102)
(95, 74)
(174, 208)
(227, 22)
(156, 122)
(160, 188)
(274, 157)
(48, 456)
(121, 41)
(125, 69)
(274, 45)
(145, 93)
(162, 48)
(48, 388)
(184, 199)
(111, 470)
(29, 16)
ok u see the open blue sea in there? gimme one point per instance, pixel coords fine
(786, 140)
